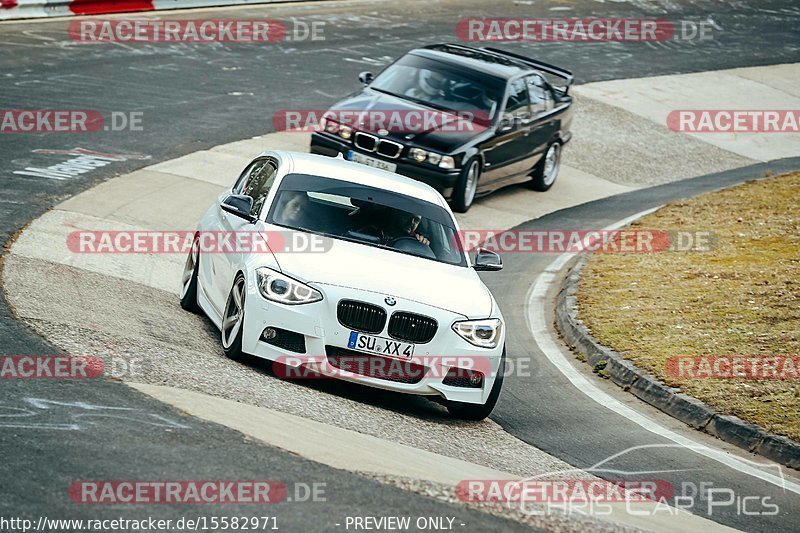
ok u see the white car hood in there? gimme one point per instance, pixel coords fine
(346, 264)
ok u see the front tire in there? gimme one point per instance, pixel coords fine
(189, 279)
(476, 411)
(233, 320)
(546, 170)
(467, 184)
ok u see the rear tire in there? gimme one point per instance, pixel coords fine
(546, 171)
(189, 280)
(467, 184)
(476, 411)
(233, 320)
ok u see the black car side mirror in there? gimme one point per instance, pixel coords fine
(238, 205)
(487, 260)
(365, 78)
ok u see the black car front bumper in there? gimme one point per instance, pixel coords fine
(440, 179)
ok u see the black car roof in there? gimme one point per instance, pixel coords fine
(491, 63)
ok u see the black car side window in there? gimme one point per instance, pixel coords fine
(518, 104)
(540, 94)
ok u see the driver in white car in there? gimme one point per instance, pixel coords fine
(408, 224)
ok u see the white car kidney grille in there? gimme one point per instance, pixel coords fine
(412, 327)
(361, 316)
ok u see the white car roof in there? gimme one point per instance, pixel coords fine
(331, 167)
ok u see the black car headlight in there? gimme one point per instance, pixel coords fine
(447, 162)
(329, 125)
(418, 154)
(279, 288)
(442, 161)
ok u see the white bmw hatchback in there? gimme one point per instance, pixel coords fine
(386, 295)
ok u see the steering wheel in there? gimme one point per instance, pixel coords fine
(411, 245)
(402, 238)
(373, 230)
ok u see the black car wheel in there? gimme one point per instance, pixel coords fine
(467, 184)
(477, 411)
(546, 171)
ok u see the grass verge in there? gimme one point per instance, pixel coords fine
(741, 298)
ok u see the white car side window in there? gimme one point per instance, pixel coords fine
(258, 185)
(247, 174)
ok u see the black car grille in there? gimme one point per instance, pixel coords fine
(375, 366)
(287, 340)
(371, 143)
(389, 148)
(361, 316)
(412, 327)
(365, 141)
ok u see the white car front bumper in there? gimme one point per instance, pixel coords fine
(323, 336)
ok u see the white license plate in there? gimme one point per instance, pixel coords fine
(371, 161)
(380, 346)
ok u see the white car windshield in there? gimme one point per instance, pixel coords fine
(366, 215)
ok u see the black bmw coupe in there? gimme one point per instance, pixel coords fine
(464, 120)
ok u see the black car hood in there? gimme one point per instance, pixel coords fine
(446, 135)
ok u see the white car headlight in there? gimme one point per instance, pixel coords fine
(484, 333)
(276, 287)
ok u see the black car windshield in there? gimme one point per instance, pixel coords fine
(443, 87)
(366, 215)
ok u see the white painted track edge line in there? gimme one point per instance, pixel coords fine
(536, 300)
